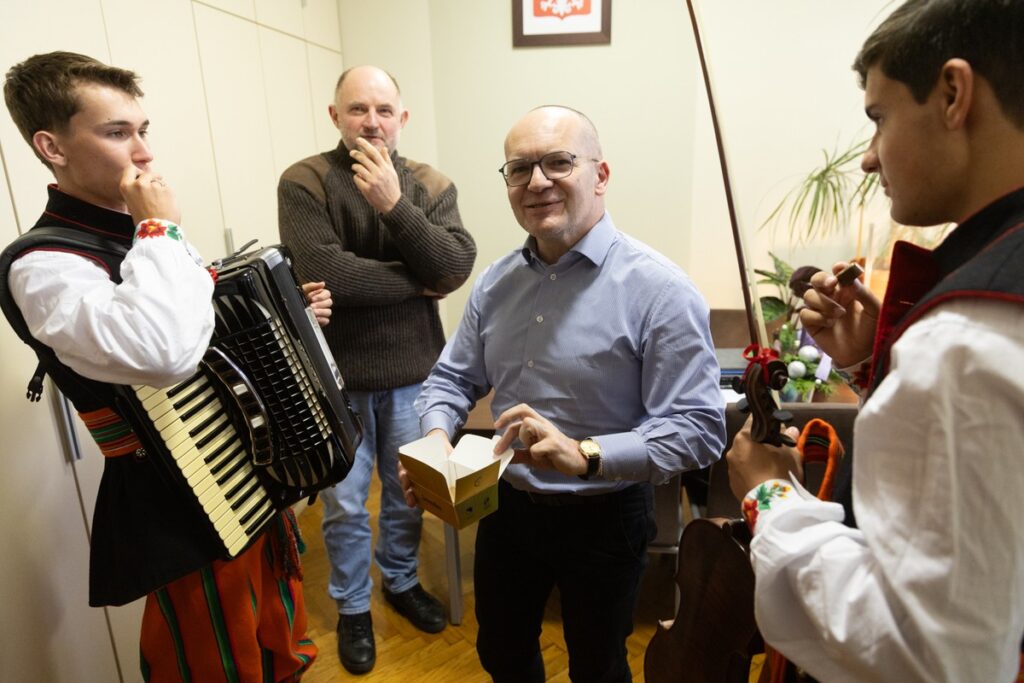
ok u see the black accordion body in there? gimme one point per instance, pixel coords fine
(265, 421)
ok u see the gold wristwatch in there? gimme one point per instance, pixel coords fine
(591, 450)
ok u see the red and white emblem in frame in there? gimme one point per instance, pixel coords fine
(560, 8)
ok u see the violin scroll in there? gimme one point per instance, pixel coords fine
(764, 372)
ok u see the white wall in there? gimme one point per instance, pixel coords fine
(230, 101)
(785, 91)
(232, 105)
(395, 35)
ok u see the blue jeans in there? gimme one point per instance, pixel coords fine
(389, 421)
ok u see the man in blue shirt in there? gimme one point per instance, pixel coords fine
(604, 376)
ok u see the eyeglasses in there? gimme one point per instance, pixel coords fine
(554, 166)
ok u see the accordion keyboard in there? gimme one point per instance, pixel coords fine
(212, 457)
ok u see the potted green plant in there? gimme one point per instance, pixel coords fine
(809, 370)
(826, 197)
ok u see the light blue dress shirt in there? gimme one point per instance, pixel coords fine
(611, 342)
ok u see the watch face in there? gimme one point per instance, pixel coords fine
(590, 449)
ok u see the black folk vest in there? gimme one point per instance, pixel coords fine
(982, 259)
(145, 534)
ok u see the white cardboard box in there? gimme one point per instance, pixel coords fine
(459, 488)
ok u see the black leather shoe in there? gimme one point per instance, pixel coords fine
(419, 607)
(356, 648)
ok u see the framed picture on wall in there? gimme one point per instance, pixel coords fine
(561, 22)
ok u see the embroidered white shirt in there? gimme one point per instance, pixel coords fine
(153, 328)
(931, 587)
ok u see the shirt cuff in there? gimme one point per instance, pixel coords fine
(623, 456)
(769, 497)
(157, 227)
(858, 375)
(437, 419)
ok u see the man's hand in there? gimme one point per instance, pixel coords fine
(403, 475)
(375, 176)
(545, 447)
(148, 196)
(751, 463)
(319, 298)
(841, 318)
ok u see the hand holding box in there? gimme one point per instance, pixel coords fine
(459, 488)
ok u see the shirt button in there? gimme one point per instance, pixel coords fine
(540, 318)
(553, 276)
(529, 363)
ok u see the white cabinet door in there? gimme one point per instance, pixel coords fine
(175, 103)
(26, 29)
(320, 19)
(325, 67)
(241, 8)
(283, 15)
(236, 100)
(289, 107)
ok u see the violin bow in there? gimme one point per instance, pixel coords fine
(765, 371)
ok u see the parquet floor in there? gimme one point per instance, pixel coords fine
(406, 655)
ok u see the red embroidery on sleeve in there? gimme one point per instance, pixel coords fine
(151, 228)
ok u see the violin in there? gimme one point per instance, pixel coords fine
(714, 636)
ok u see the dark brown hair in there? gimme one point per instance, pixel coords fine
(40, 92)
(916, 40)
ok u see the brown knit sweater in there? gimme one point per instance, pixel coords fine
(384, 332)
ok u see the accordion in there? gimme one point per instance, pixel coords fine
(265, 421)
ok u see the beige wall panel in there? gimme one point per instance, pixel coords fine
(28, 28)
(324, 68)
(176, 106)
(638, 91)
(44, 575)
(283, 15)
(230, 58)
(778, 112)
(320, 21)
(395, 35)
(289, 108)
(241, 8)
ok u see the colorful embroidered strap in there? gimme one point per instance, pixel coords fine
(156, 227)
(819, 442)
(112, 434)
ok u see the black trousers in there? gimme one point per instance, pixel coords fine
(595, 552)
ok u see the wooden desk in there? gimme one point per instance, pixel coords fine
(842, 393)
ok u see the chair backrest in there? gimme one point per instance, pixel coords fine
(721, 502)
(729, 328)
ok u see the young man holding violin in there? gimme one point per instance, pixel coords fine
(929, 586)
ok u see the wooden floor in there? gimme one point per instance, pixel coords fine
(405, 654)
